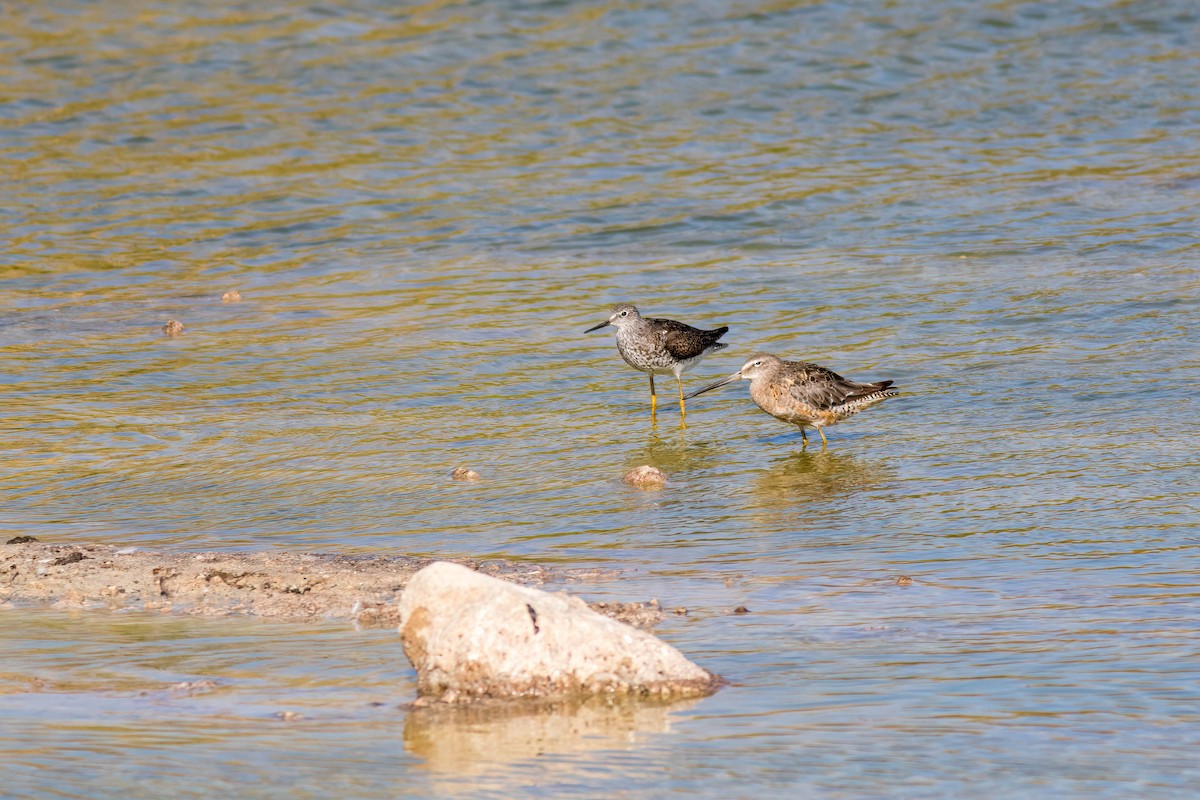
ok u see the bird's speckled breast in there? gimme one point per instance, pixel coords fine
(641, 349)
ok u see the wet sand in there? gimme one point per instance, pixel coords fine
(280, 585)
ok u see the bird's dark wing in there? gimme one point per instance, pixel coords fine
(824, 389)
(684, 341)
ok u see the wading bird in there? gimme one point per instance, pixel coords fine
(804, 394)
(660, 346)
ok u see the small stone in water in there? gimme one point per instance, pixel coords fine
(464, 474)
(645, 476)
(194, 686)
(232, 296)
(741, 610)
(289, 716)
(173, 327)
(904, 580)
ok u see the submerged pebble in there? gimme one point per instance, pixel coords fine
(172, 327)
(232, 296)
(191, 687)
(464, 474)
(645, 476)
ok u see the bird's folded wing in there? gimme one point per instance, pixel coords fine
(822, 389)
(684, 341)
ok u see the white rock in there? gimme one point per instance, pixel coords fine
(471, 636)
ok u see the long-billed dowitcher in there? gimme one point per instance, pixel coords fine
(804, 394)
(660, 346)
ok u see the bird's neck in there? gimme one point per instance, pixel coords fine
(632, 328)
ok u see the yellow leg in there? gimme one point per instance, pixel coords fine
(803, 438)
(653, 398)
(824, 441)
(682, 408)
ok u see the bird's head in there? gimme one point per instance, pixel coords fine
(622, 314)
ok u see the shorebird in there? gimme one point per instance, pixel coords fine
(804, 394)
(660, 346)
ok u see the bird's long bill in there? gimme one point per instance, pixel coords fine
(737, 376)
(604, 324)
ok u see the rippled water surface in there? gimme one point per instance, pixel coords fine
(424, 206)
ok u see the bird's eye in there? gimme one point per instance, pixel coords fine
(758, 363)
(624, 313)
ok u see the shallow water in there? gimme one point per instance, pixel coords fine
(425, 206)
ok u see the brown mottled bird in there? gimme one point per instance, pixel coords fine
(661, 346)
(804, 394)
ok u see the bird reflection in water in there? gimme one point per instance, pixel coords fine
(809, 475)
(674, 453)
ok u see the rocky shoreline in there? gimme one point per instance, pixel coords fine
(275, 584)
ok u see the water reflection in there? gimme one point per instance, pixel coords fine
(470, 739)
(673, 451)
(815, 474)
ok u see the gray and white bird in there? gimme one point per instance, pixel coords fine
(660, 346)
(804, 394)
